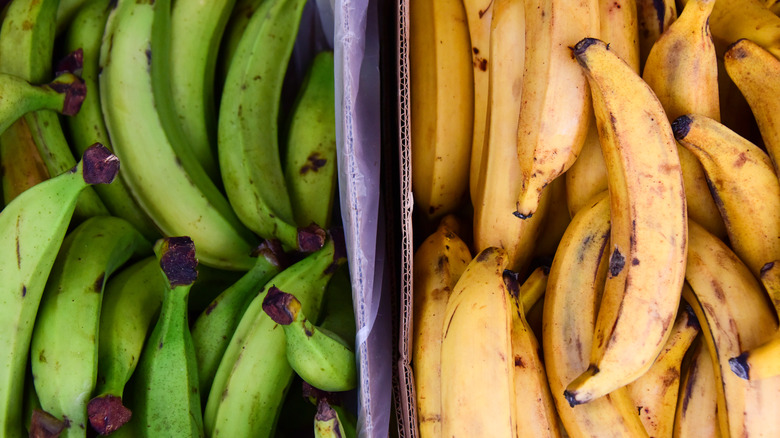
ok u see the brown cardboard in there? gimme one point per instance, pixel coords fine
(406, 409)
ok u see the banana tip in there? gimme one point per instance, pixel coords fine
(571, 398)
(177, 260)
(276, 305)
(583, 45)
(681, 126)
(107, 414)
(740, 366)
(73, 62)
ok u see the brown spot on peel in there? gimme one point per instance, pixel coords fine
(616, 263)
(107, 414)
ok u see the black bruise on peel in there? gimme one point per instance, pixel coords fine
(616, 263)
(178, 261)
(276, 305)
(660, 10)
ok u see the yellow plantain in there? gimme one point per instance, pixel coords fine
(438, 264)
(655, 393)
(477, 370)
(570, 306)
(535, 409)
(499, 178)
(587, 177)
(734, 317)
(756, 73)
(648, 240)
(732, 20)
(442, 104)
(654, 17)
(697, 410)
(743, 183)
(479, 14)
(683, 72)
(555, 109)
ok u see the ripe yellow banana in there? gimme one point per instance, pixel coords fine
(438, 264)
(479, 14)
(649, 225)
(654, 17)
(683, 72)
(697, 410)
(556, 220)
(477, 367)
(442, 104)
(734, 316)
(499, 177)
(744, 183)
(555, 109)
(655, 393)
(570, 306)
(759, 363)
(587, 177)
(534, 406)
(756, 73)
(732, 20)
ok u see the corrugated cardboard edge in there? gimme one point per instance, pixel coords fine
(406, 408)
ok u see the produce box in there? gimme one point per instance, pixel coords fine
(348, 28)
(699, 113)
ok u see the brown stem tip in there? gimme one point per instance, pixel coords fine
(107, 414)
(740, 366)
(178, 260)
(272, 250)
(325, 412)
(45, 425)
(277, 305)
(73, 62)
(75, 91)
(681, 127)
(100, 165)
(311, 238)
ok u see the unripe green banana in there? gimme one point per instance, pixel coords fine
(131, 302)
(338, 313)
(254, 374)
(319, 356)
(347, 420)
(310, 161)
(66, 11)
(87, 126)
(193, 61)
(33, 226)
(247, 132)
(213, 329)
(328, 423)
(64, 349)
(165, 400)
(234, 30)
(64, 95)
(163, 176)
(26, 47)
